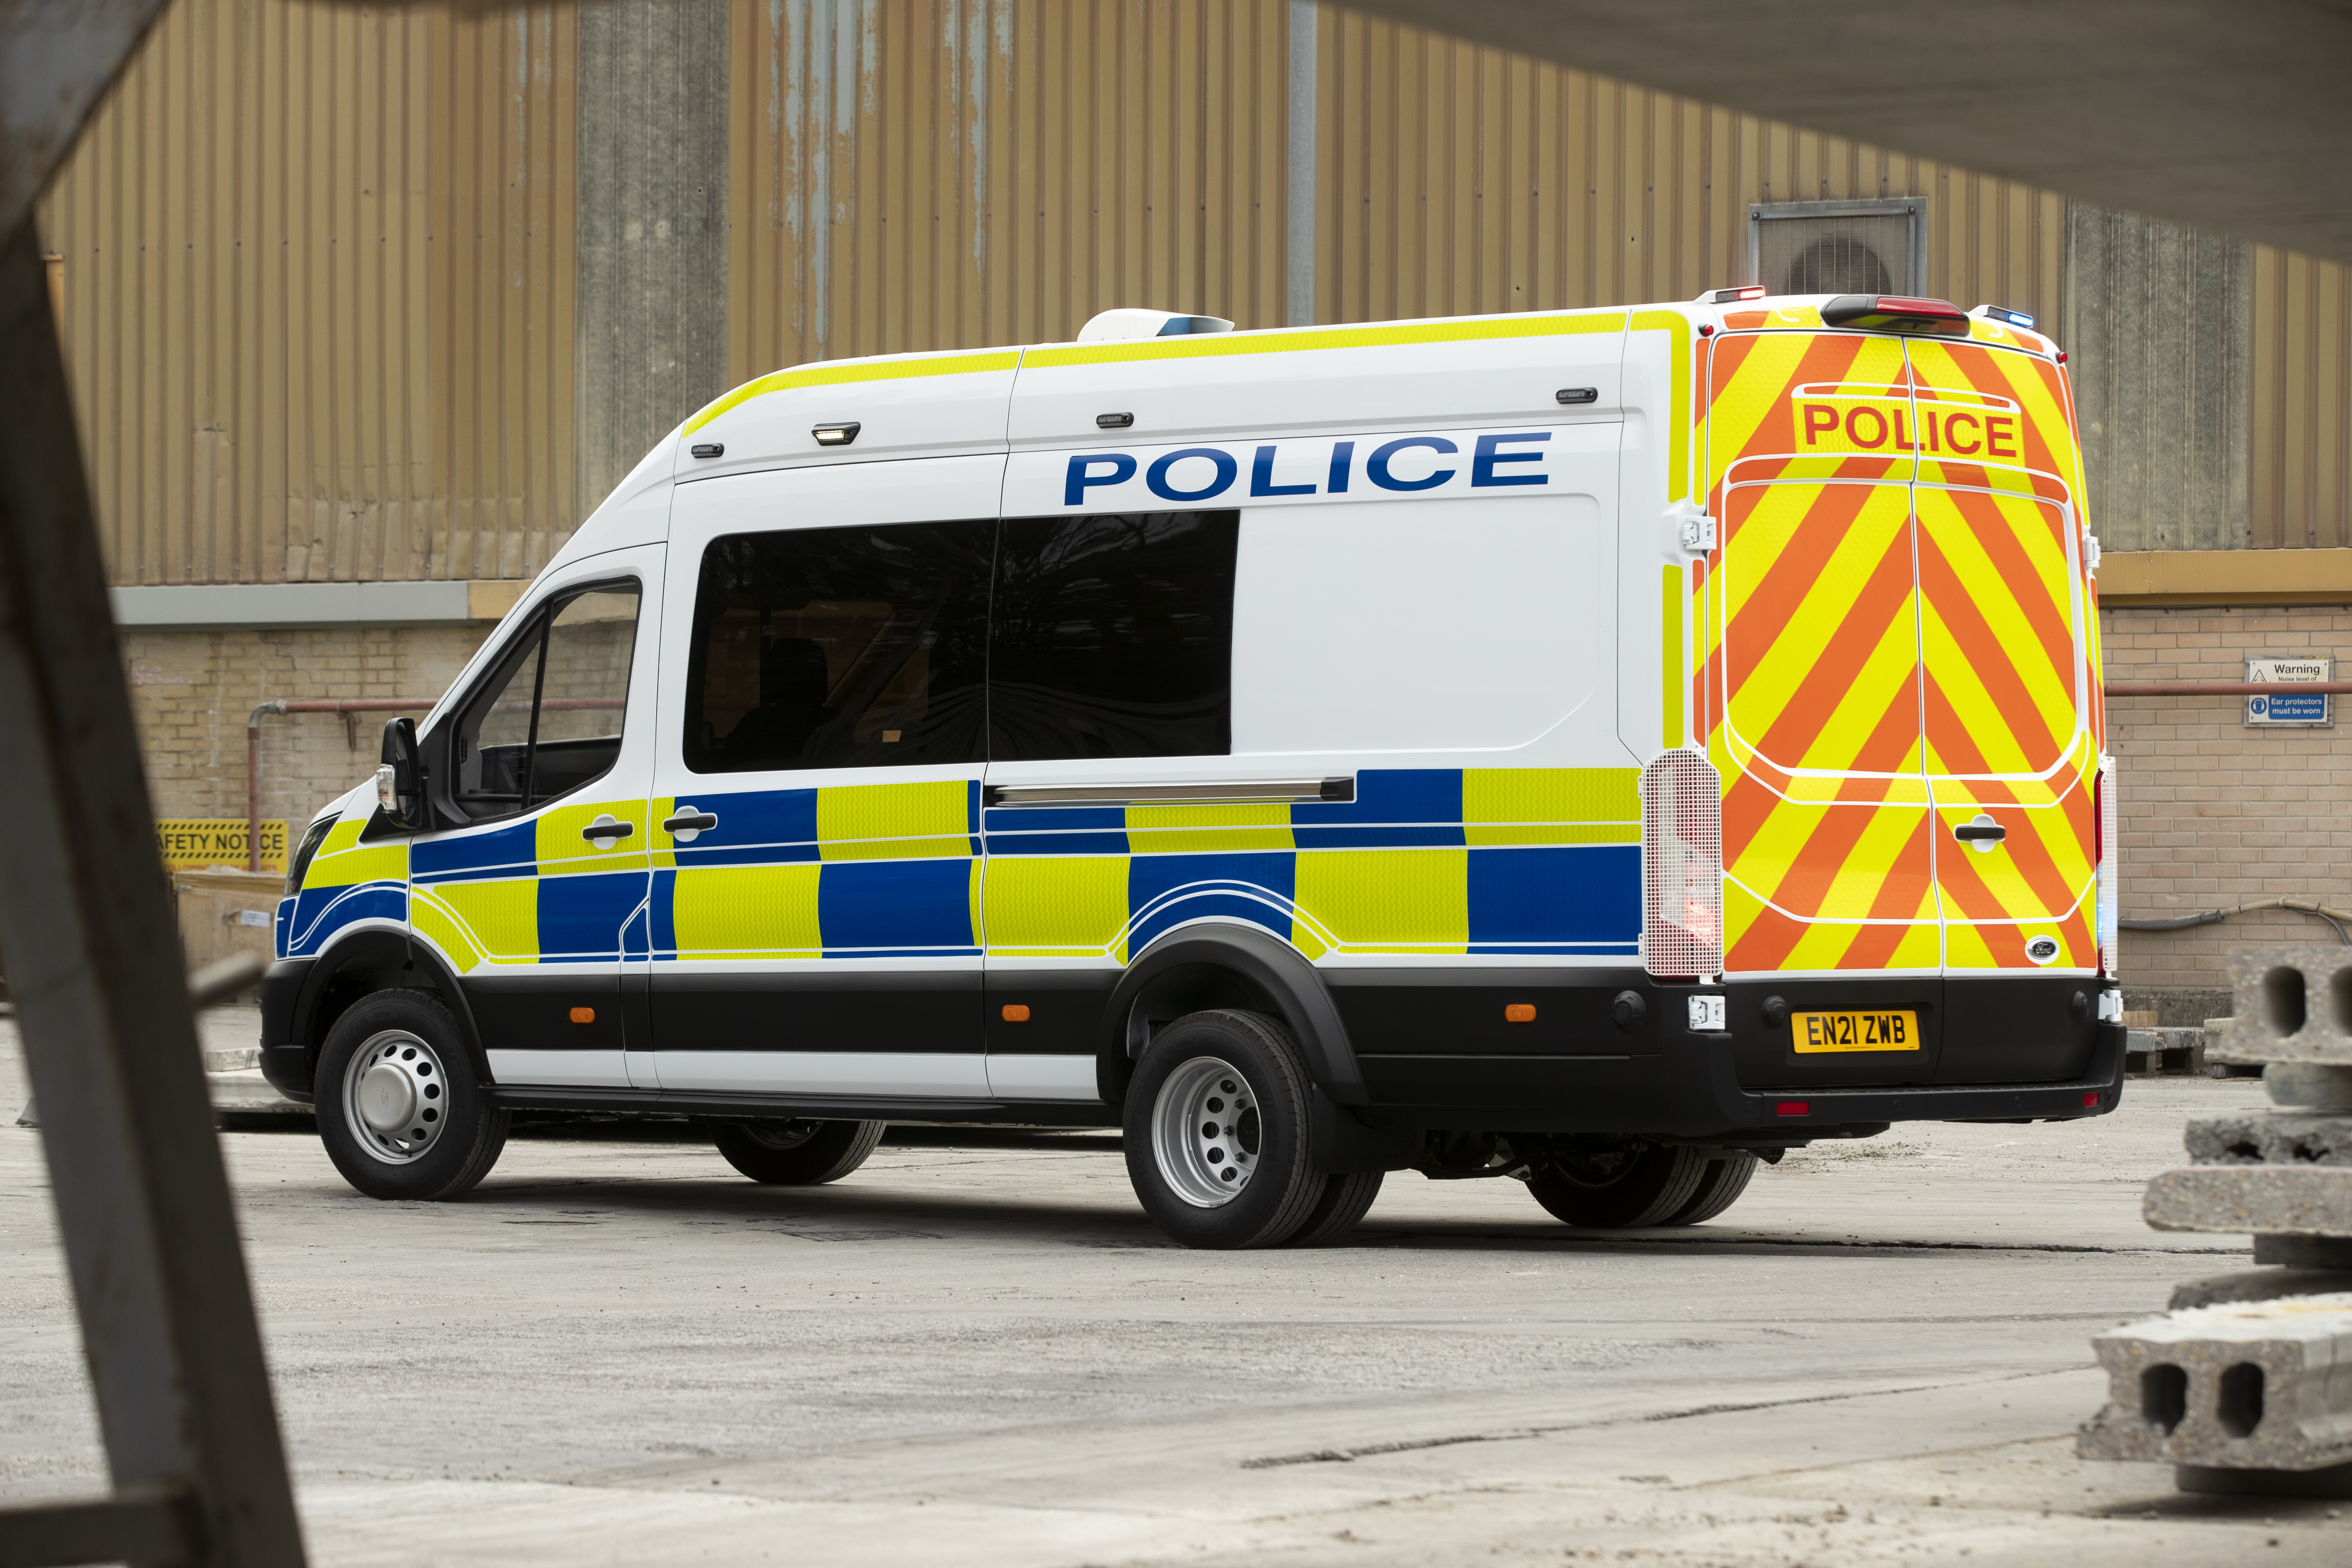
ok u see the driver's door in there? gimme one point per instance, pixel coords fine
(533, 885)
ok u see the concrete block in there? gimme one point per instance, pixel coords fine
(2169, 1053)
(2314, 1085)
(2272, 1138)
(2247, 1385)
(2291, 1005)
(2259, 1284)
(2306, 1200)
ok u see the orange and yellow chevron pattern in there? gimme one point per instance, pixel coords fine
(1899, 639)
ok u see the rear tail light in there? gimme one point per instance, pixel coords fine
(1682, 867)
(1896, 313)
(2103, 850)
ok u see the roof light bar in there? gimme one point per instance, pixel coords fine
(1896, 313)
(1733, 296)
(2003, 313)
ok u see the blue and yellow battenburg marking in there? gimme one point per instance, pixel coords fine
(846, 871)
(1537, 862)
(347, 881)
(537, 891)
(1540, 861)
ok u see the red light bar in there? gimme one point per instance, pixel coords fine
(1732, 295)
(1896, 313)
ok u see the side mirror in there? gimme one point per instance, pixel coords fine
(400, 782)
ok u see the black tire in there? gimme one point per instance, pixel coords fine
(1719, 1188)
(1617, 1184)
(1238, 1064)
(1344, 1203)
(452, 1135)
(801, 1154)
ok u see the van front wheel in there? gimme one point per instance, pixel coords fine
(1216, 1131)
(399, 1108)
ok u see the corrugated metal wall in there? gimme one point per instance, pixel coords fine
(316, 267)
(2301, 401)
(1456, 179)
(941, 174)
(321, 268)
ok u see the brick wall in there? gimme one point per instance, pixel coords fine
(191, 691)
(2211, 813)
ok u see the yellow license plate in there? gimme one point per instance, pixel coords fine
(1819, 1032)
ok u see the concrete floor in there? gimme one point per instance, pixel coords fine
(977, 1351)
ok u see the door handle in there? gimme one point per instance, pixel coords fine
(607, 828)
(688, 823)
(1980, 834)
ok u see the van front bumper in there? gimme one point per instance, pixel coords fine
(284, 1062)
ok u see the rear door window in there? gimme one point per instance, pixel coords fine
(1111, 635)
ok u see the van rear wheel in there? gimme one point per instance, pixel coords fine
(1618, 1183)
(1719, 1188)
(1216, 1132)
(804, 1152)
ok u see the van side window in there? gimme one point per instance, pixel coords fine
(549, 718)
(1112, 636)
(839, 648)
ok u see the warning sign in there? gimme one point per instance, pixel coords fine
(187, 842)
(2285, 707)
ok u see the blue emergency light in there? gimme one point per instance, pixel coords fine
(2013, 318)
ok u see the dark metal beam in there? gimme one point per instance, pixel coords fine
(93, 963)
(2226, 115)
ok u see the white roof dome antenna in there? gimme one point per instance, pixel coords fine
(1126, 326)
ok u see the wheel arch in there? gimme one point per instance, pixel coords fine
(1222, 964)
(365, 961)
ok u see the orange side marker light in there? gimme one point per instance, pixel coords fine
(1016, 1012)
(1519, 1013)
(583, 1015)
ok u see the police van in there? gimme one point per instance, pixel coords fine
(1604, 748)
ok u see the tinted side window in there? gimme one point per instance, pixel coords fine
(840, 648)
(1112, 636)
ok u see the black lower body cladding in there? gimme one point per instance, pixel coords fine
(285, 1057)
(1547, 1050)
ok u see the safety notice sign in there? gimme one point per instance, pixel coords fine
(2286, 705)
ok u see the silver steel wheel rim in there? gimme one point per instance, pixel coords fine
(397, 1097)
(1206, 1132)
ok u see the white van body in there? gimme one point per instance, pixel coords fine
(1453, 571)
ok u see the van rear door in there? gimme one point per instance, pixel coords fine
(1811, 699)
(1898, 691)
(2007, 708)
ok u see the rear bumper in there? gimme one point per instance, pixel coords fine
(2004, 1048)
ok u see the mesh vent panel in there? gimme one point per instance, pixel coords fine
(1682, 866)
(1834, 254)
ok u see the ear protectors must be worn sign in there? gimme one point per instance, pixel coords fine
(2287, 706)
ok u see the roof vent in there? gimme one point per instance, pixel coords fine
(1125, 326)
